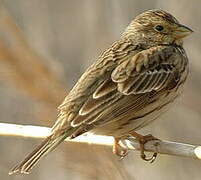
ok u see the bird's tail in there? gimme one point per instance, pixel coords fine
(49, 144)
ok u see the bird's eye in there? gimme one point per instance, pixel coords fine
(159, 28)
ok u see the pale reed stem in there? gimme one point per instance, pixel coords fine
(160, 146)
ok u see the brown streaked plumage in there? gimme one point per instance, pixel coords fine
(129, 86)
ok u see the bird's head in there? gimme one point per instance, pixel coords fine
(156, 27)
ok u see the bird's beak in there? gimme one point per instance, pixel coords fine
(182, 31)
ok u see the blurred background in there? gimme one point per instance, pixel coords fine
(44, 48)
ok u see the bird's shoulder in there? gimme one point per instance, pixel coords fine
(151, 69)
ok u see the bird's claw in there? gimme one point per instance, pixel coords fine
(151, 159)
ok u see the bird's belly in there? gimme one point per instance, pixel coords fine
(138, 119)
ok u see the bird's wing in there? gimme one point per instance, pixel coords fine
(127, 88)
(92, 85)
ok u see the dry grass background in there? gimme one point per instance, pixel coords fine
(46, 45)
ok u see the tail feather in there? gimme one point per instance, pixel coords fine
(31, 160)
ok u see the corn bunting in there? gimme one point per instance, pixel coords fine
(129, 86)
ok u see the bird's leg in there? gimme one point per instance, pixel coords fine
(142, 141)
(118, 150)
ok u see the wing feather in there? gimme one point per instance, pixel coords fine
(105, 88)
(143, 74)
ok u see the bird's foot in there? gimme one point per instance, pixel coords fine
(142, 141)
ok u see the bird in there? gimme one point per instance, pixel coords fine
(130, 85)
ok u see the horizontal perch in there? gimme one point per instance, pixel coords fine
(160, 146)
